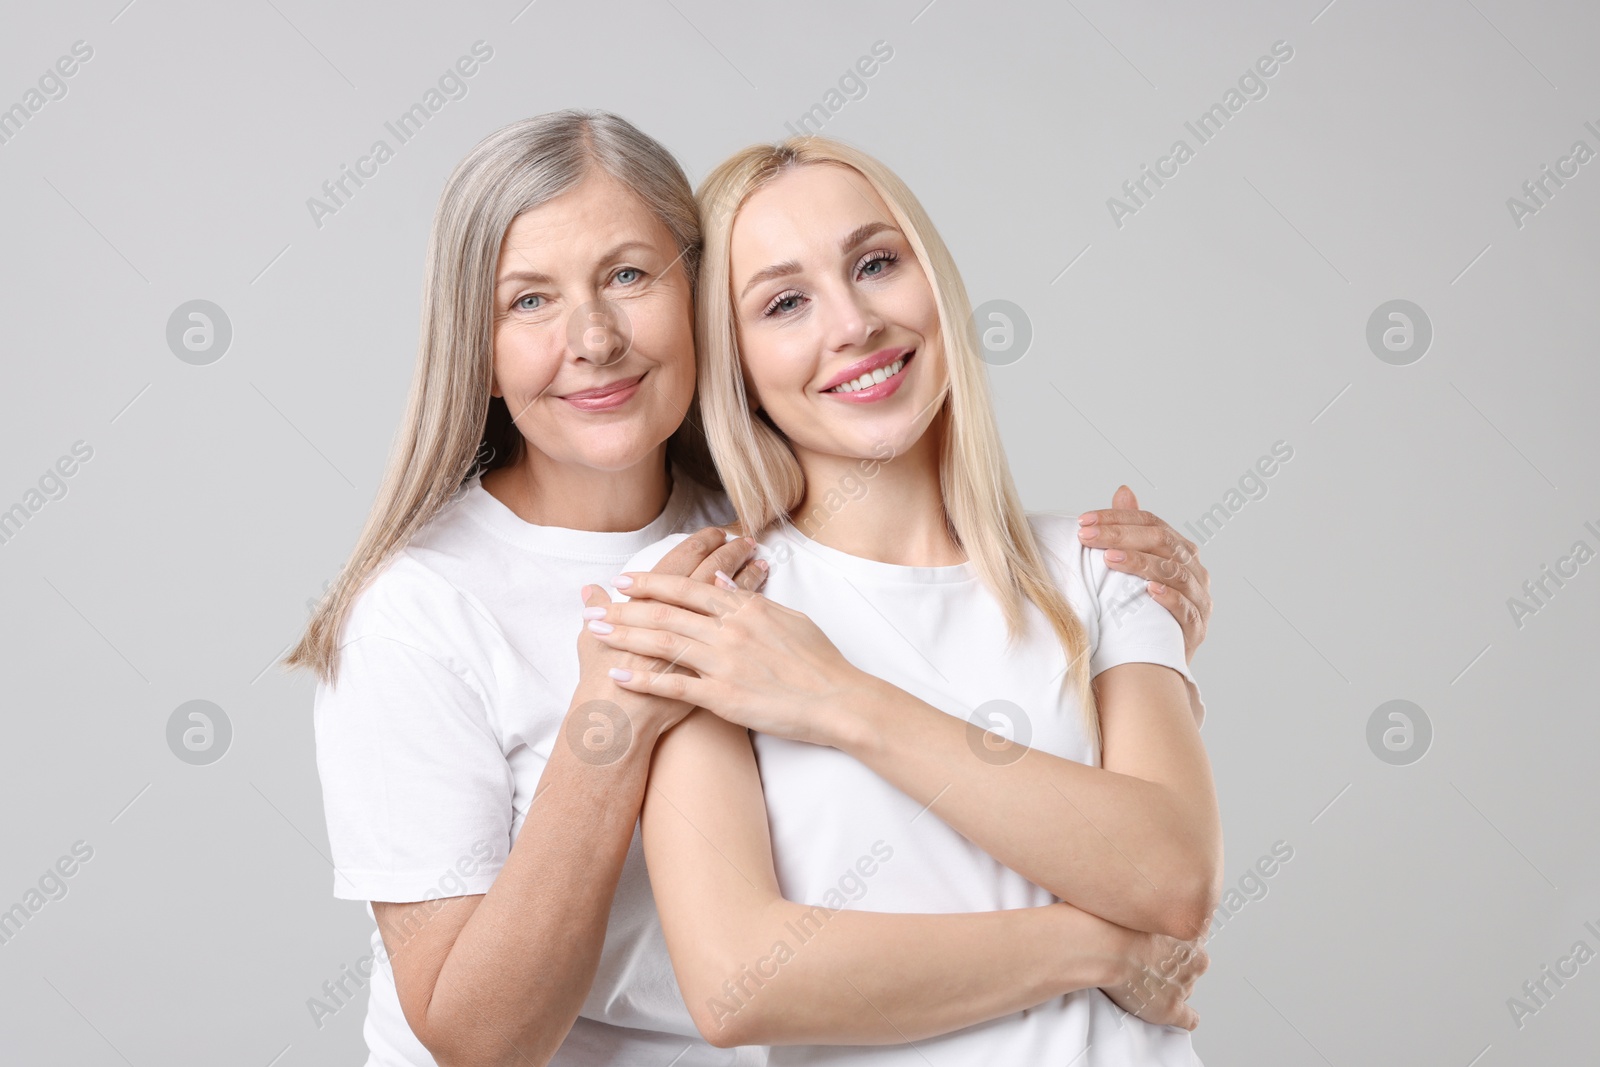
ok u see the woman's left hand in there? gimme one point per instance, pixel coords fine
(1138, 542)
(759, 664)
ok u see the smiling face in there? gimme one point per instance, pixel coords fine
(593, 341)
(838, 329)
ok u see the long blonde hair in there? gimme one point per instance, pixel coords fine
(453, 429)
(764, 480)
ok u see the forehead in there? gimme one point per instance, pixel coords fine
(804, 211)
(596, 215)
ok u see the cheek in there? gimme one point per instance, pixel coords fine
(663, 332)
(526, 357)
(779, 367)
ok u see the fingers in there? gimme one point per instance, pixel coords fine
(1152, 567)
(664, 645)
(1119, 517)
(1128, 529)
(690, 553)
(684, 687)
(603, 620)
(729, 558)
(753, 576)
(1124, 499)
(690, 593)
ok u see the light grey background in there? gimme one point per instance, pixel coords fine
(1227, 314)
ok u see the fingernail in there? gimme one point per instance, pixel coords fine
(601, 627)
(751, 541)
(596, 613)
(764, 565)
(1088, 520)
(1155, 587)
(1089, 533)
(620, 675)
(583, 594)
(1116, 555)
(621, 581)
(725, 580)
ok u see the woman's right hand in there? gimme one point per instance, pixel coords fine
(698, 556)
(1157, 974)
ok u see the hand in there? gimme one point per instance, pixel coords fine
(1158, 974)
(756, 663)
(701, 556)
(1141, 543)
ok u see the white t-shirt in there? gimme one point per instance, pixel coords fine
(843, 836)
(457, 665)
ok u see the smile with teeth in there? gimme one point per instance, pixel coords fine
(870, 378)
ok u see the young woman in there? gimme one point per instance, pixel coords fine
(482, 778)
(911, 623)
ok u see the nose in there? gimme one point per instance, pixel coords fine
(851, 318)
(598, 332)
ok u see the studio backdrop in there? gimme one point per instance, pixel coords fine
(1317, 280)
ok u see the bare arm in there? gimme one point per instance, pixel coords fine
(755, 968)
(1137, 842)
(499, 978)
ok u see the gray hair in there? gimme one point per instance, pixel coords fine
(453, 428)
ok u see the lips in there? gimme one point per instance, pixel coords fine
(866, 366)
(604, 397)
(852, 391)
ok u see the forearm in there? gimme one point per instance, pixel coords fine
(1138, 851)
(519, 970)
(798, 975)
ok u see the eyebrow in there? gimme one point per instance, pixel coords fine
(542, 278)
(788, 267)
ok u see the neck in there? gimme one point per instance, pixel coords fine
(899, 519)
(549, 492)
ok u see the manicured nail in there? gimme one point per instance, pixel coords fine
(764, 565)
(1116, 555)
(601, 627)
(725, 580)
(583, 594)
(751, 541)
(620, 675)
(1155, 587)
(621, 581)
(1089, 533)
(1088, 520)
(600, 613)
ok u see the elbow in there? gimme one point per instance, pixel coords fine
(1188, 920)
(1188, 911)
(725, 1016)
(462, 1045)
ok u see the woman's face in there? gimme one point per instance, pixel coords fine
(593, 342)
(838, 330)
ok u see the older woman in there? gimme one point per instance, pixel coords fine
(482, 778)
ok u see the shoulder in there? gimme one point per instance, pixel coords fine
(410, 603)
(1071, 560)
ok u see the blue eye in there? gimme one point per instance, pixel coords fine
(876, 263)
(627, 276)
(783, 303)
(527, 307)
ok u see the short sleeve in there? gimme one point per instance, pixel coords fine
(1133, 627)
(417, 790)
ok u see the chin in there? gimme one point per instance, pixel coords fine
(620, 455)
